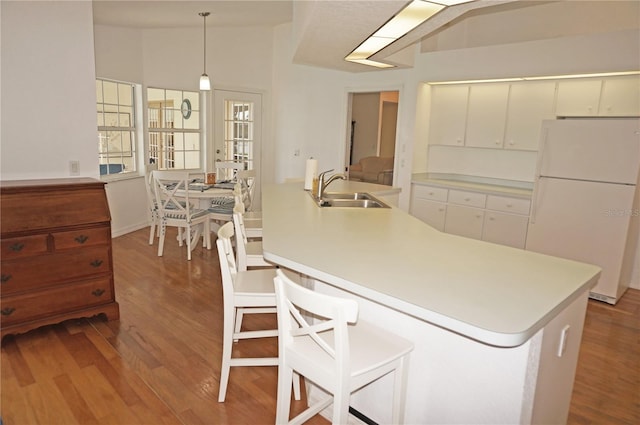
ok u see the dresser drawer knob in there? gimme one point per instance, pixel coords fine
(97, 292)
(16, 247)
(96, 263)
(5, 278)
(7, 311)
(81, 239)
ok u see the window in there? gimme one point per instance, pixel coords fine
(174, 129)
(116, 127)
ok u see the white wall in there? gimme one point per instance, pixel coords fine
(48, 90)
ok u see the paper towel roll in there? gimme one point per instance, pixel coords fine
(310, 173)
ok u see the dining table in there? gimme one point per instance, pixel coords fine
(206, 193)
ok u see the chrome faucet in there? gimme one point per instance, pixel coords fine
(322, 184)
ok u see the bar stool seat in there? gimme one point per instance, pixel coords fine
(334, 352)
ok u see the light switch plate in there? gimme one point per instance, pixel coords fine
(74, 168)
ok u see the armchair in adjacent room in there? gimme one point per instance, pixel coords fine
(373, 169)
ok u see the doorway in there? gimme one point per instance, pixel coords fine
(373, 118)
(238, 131)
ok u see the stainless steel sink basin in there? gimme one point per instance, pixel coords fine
(347, 195)
(352, 203)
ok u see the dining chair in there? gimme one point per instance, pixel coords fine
(244, 292)
(249, 251)
(227, 170)
(171, 190)
(152, 206)
(336, 351)
(221, 209)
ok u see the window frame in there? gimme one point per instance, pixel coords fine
(134, 129)
(169, 134)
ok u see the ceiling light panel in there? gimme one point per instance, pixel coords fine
(408, 18)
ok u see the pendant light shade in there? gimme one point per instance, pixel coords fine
(205, 84)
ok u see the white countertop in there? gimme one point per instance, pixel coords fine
(491, 293)
(475, 184)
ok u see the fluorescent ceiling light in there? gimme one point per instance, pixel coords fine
(372, 63)
(414, 14)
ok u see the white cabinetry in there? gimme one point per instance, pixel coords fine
(486, 115)
(620, 96)
(493, 218)
(464, 221)
(529, 104)
(578, 97)
(506, 221)
(448, 115)
(429, 205)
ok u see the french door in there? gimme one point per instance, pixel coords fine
(237, 130)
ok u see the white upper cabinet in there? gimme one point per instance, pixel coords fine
(448, 115)
(529, 104)
(620, 96)
(578, 97)
(486, 115)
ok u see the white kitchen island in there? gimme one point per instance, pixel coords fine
(496, 329)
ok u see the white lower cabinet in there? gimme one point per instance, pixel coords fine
(464, 221)
(431, 212)
(492, 218)
(505, 229)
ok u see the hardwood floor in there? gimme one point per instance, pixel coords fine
(160, 363)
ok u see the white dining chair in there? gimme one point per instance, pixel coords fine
(174, 209)
(227, 170)
(249, 251)
(152, 206)
(221, 209)
(336, 351)
(244, 292)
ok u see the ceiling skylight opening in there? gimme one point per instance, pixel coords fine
(413, 15)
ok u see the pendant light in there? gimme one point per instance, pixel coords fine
(205, 84)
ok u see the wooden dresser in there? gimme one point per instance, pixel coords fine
(56, 258)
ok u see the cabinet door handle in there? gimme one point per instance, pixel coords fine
(7, 311)
(5, 278)
(97, 292)
(16, 247)
(81, 239)
(96, 263)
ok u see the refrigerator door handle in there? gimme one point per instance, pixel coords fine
(536, 184)
(534, 200)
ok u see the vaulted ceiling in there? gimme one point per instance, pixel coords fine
(326, 31)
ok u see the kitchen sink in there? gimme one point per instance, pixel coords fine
(347, 195)
(352, 203)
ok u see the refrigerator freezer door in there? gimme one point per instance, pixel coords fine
(603, 149)
(584, 221)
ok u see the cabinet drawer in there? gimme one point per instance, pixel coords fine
(430, 193)
(470, 199)
(510, 205)
(34, 305)
(81, 238)
(23, 246)
(51, 269)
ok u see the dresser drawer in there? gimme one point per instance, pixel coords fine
(35, 305)
(23, 246)
(81, 238)
(429, 192)
(50, 269)
(510, 205)
(470, 199)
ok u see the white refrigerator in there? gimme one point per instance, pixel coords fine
(586, 202)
